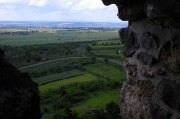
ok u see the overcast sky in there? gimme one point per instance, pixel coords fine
(57, 10)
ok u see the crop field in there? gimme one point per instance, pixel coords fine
(100, 47)
(54, 85)
(57, 76)
(106, 70)
(109, 42)
(61, 36)
(95, 100)
(98, 71)
(111, 49)
(111, 52)
(50, 65)
(106, 51)
(92, 71)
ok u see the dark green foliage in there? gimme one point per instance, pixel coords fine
(25, 55)
(94, 58)
(111, 111)
(72, 94)
(45, 110)
(68, 114)
(106, 60)
(88, 48)
(17, 33)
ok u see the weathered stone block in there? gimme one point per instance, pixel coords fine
(145, 87)
(149, 41)
(130, 40)
(160, 72)
(145, 58)
(158, 113)
(147, 73)
(131, 71)
(123, 34)
(170, 55)
(169, 92)
(128, 52)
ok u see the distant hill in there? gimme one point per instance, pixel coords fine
(46, 24)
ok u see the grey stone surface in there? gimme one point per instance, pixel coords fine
(149, 41)
(128, 52)
(170, 55)
(145, 58)
(152, 87)
(130, 41)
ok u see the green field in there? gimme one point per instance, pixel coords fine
(98, 71)
(57, 76)
(101, 47)
(95, 100)
(110, 42)
(107, 49)
(57, 84)
(108, 52)
(99, 68)
(49, 65)
(56, 37)
(106, 70)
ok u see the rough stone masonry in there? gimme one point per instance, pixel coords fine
(152, 47)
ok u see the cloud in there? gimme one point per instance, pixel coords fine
(57, 10)
(2, 11)
(39, 3)
(9, 1)
(88, 4)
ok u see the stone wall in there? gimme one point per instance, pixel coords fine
(19, 98)
(152, 47)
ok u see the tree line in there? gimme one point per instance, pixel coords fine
(25, 55)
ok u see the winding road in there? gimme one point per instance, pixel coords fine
(54, 60)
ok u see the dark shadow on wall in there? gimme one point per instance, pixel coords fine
(19, 96)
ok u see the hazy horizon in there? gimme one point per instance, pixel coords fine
(61, 24)
(65, 21)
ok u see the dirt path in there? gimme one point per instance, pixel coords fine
(49, 61)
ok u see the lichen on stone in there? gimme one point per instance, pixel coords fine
(170, 55)
(145, 88)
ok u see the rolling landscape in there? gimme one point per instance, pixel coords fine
(78, 66)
